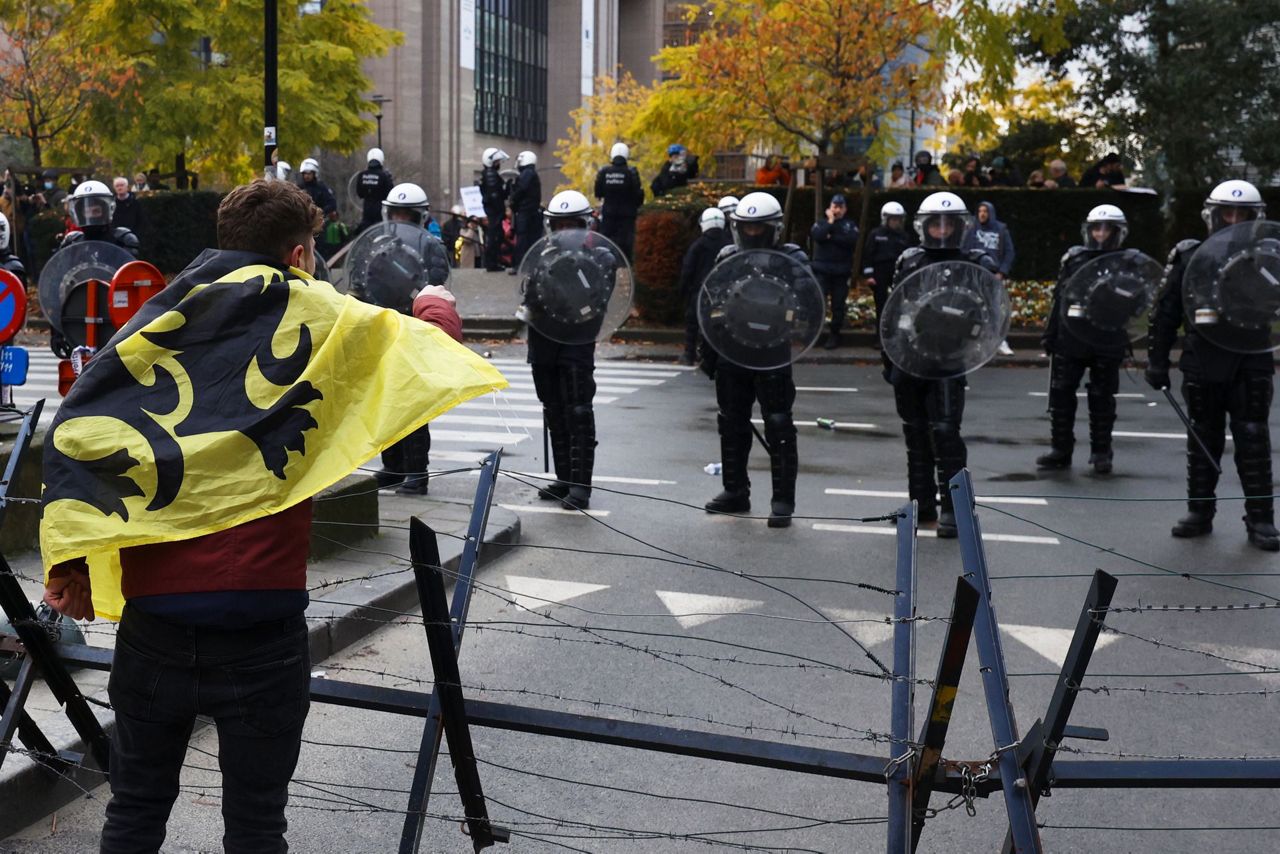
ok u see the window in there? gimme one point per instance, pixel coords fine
(511, 68)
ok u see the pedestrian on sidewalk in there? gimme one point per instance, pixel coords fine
(210, 579)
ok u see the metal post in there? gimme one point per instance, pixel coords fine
(954, 649)
(995, 681)
(904, 674)
(270, 91)
(424, 552)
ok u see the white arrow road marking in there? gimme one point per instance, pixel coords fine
(869, 633)
(534, 593)
(1265, 658)
(840, 425)
(890, 531)
(846, 389)
(877, 493)
(694, 609)
(1048, 643)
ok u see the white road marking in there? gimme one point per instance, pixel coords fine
(554, 511)
(1127, 434)
(472, 437)
(534, 593)
(840, 425)
(620, 364)
(529, 395)
(609, 389)
(696, 609)
(824, 388)
(925, 532)
(487, 404)
(595, 478)
(1132, 395)
(1266, 658)
(879, 493)
(870, 633)
(1051, 644)
(449, 418)
(457, 456)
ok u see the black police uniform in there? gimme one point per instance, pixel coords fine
(931, 410)
(833, 245)
(698, 261)
(526, 203)
(884, 246)
(738, 389)
(1072, 356)
(373, 185)
(1221, 388)
(621, 193)
(493, 195)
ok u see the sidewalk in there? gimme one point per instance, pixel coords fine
(370, 579)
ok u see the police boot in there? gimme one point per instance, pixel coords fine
(1102, 418)
(921, 486)
(558, 434)
(951, 458)
(582, 455)
(1202, 481)
(415, 457)
(833, 340)
(392, 471)
(1062, 437)
(947, 529)
(735, 447)
(1262, 531)
(1253, 463)
(784, 466)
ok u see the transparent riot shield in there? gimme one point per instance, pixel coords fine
(576, 286)
(70, 268)
(391, 261)
(1231, 288)
(945, 320)
(1105, 302)
(761, 309)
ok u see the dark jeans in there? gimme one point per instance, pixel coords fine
(253, 682)
(836, 287)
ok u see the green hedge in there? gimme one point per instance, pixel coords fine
(1184, 212)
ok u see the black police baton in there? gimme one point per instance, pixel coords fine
(1191, 431)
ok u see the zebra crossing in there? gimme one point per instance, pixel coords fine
(465, 434)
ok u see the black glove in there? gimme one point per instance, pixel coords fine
(708, 359)
(1157, 376)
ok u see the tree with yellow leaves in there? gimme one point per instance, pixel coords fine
(607, 117)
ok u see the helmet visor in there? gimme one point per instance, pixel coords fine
(1104, 235)
(757, 234)
(941, 231)
(90, 211)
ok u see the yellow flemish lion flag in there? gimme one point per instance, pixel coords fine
(237, 392)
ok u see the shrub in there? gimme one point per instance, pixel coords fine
(662, 238)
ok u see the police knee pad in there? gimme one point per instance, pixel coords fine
(945, 431)
(780, 425)
(1254, 433)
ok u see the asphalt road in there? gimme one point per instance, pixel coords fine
(643, 611)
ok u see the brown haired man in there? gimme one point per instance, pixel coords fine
(214, 625)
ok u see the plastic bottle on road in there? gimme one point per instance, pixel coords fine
(712, 468)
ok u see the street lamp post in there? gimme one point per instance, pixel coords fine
(378, 101)
(911, 145)
(270, 99)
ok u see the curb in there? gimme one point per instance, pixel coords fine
(30, 792)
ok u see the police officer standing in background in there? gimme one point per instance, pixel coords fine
(493, 195)
(526, 204)
(698, 261)
(833, 245)
(621, 193)
(1217, 384)
(885, 243)
(373, 185)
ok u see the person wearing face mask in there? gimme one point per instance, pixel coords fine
(1220, 386)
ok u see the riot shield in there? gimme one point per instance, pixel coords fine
(73, 266)
(1105, 302)
(945, 320)
(322, 268)
(761, 309)
(1231, 288)
(576, 286)
(391, 261)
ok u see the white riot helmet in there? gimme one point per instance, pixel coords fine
(711, 218)
(569, 208)
(4, 233)
(892, 209)
(406, 203)
(92, 204)
(310, 165)
(492, 157)
(283, 170)
(946, 213)
(1240, 198)
(1108, 215)
(727, 204)
(526, 158)
(375, 155)
(620, 149)
(757, 222)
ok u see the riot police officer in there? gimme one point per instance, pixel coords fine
(727, 205)
(372, 186)
(885, 244)
(526, 198)
(756, 223)
(698, 261)
(91, 207)
(8, 260)
(564, 378)
(619, 188)
(406, 461)
(493, 195)
(1220, 387)
(1104, 231)
(932, 409)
